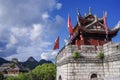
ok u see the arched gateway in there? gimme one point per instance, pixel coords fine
(93, 76)
(60, 78)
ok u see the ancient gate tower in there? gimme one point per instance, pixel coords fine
(97, 57)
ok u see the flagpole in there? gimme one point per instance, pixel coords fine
(105, 25)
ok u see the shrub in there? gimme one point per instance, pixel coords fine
(75, 55)
(1, 76)
(101, 55)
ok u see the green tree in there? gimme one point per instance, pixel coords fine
(21, 76)
(12, 78)
(1, 76)
(45, 72)
(41, 72)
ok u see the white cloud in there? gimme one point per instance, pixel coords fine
(45, 15)
(20, 31)
(58, 6)
(36, 31)
(26, 28)
(12, 41)
(25, 11)
(23, 56)
(37, 52)
(44, 56)
(49, 55)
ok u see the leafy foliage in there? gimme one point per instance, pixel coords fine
(101, 55)
(75, 55)
(45, 72)
(1, 76)
(12, 78)
(20, 77)
(41, 72)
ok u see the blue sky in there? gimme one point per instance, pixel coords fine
(29, 27)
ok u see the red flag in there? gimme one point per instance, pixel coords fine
(105, 24)
(70, 26)
(56, 45)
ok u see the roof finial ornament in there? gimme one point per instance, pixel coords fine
(78, 17)
(79, 23)
(66, 41)
(96, 18)
(105, 13)
(117, 26)
(78, 12)
(90, 10)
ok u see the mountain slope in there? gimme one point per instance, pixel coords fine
(42, 61)
(30, 63)
(3, 61)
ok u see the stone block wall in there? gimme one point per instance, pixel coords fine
(88, 63)
(112, 60)
(62, 72)
(112, 69)
(83, 71)
(79, 71)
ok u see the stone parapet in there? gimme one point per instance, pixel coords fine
(109, 58)
(111, 52)
(88, 51)
(79, 60)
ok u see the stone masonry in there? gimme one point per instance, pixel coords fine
(88, 66)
